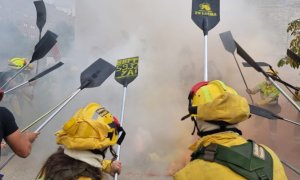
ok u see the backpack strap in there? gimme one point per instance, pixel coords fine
(249, 160)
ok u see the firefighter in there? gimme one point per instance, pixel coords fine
(268, 92)
(85, 138)
(17, 63)
(19, 142)
(221, 152)
(17, 99)
(269, 95)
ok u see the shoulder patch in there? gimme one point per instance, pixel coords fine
(258, 151)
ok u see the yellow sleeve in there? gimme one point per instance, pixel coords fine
(278, 170)
(106, 166)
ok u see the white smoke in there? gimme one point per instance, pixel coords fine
(170, 48)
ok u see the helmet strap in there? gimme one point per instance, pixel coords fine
(222, 129)
(100, 152)
(195, 126)
(113, 153)
(122, 136)
(190, 105)
(117, 131)
(186, 116)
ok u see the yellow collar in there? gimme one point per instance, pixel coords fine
(224, 138)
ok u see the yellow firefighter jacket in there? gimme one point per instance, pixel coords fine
(205, 170)
(268, 93)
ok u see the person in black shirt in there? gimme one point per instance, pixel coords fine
(19, 142)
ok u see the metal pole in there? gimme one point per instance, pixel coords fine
(9, 158)
(13, 155)
(16, 87)
(47, 121)
(291, 167)
(205, 59)
(44, 115)
(2, 87)
(242, 76)
(291, 121)
(284, 94)
(121, 123)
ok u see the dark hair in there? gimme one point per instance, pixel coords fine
(60, 166)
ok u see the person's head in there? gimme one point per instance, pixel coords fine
(18, 63)
(271, 73)
(85, 137)
(214, 103)
(61, 166)
(92, 128)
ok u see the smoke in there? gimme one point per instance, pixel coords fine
(170, 47)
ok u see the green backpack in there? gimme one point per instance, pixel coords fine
(249, 160)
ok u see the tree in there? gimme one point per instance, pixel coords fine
(294, 30)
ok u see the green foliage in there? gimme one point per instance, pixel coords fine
(288, 61)
(294, 27)
(281, 62)
(294, 30)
